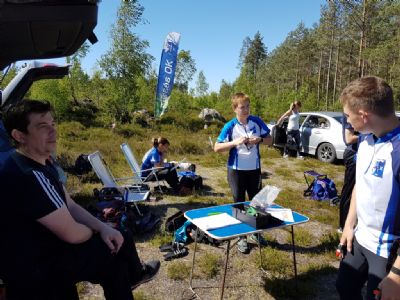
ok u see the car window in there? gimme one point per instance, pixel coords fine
(323, 122)
(302, 119)
(311, 122)
(316, 122)
(339, 119)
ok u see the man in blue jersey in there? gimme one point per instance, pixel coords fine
(242, 136)
(373, 221)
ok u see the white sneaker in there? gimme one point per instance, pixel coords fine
(285, 156)
(300, 157)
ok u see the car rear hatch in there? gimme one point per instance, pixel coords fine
(37, 29)
(20, 84)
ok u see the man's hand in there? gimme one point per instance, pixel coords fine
(113, 238)
(254, 140)
(390, 287)
(241, 140)
(347, 238)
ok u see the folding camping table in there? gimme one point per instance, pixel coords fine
(231, 232)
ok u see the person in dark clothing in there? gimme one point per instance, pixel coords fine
(350, 137)
(52, 242)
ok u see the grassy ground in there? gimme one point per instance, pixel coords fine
(315, 240)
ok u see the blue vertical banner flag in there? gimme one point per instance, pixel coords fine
(166, 73)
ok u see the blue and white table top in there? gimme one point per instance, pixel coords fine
(229, 232)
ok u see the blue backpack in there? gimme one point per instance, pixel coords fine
(322, 188)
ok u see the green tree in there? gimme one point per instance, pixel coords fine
(185, 70)
(126, 61)
(7, 75)
(78, 79)
(56, 91)
(253, 55)
(201, 85)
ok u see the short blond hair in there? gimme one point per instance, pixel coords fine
(239, 98)
(369, 93)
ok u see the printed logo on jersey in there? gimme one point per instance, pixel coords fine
(378, 168)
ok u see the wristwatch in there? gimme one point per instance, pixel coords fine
(262, 140)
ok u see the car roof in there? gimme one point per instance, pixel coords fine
(332, 114)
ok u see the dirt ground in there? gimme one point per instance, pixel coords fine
(243, 280)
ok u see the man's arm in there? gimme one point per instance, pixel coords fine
(350, 137)
(63, 225)
(257, 140)
(390, 285)
(351, 221)
(113, 238)
(220, 147)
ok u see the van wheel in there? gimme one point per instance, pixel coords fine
(326, 153)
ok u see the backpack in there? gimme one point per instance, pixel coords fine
(82, 165)
(187, 233)
(322, 188)
(190, 180)
(175, 221)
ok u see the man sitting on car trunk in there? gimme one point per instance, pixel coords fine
(52, 242)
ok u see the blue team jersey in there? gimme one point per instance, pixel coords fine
(244, 157)
(149, 159)
(378, 192)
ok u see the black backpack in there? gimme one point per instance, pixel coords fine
(175, 221)
(82, 165)
(191, 182)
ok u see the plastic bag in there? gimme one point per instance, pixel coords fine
(265, 197)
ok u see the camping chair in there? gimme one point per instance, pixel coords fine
(132, 193)
(137, 172)
(313, 174)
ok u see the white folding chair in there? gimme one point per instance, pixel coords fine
(137, 172)
(132, 193)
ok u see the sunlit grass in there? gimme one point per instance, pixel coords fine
(276, 262)
(178, 270)
(209, 265)
(194, 145)
(303, 237)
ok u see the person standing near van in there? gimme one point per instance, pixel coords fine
(293, 128)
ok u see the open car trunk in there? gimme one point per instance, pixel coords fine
(36, 29)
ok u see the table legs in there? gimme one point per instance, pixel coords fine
(228, 247)
(227, 250)
(194, 256)
(222, 285)
(294, 256)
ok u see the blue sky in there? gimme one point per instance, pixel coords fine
(213, 30)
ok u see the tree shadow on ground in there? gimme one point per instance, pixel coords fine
(326, 245)
(306, 286)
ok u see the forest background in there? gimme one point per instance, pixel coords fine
(353, 38)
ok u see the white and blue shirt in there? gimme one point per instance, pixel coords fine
(151, 158)
(244, 157)
(378, 192)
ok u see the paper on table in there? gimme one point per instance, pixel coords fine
(215, 221)
(284, 214)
